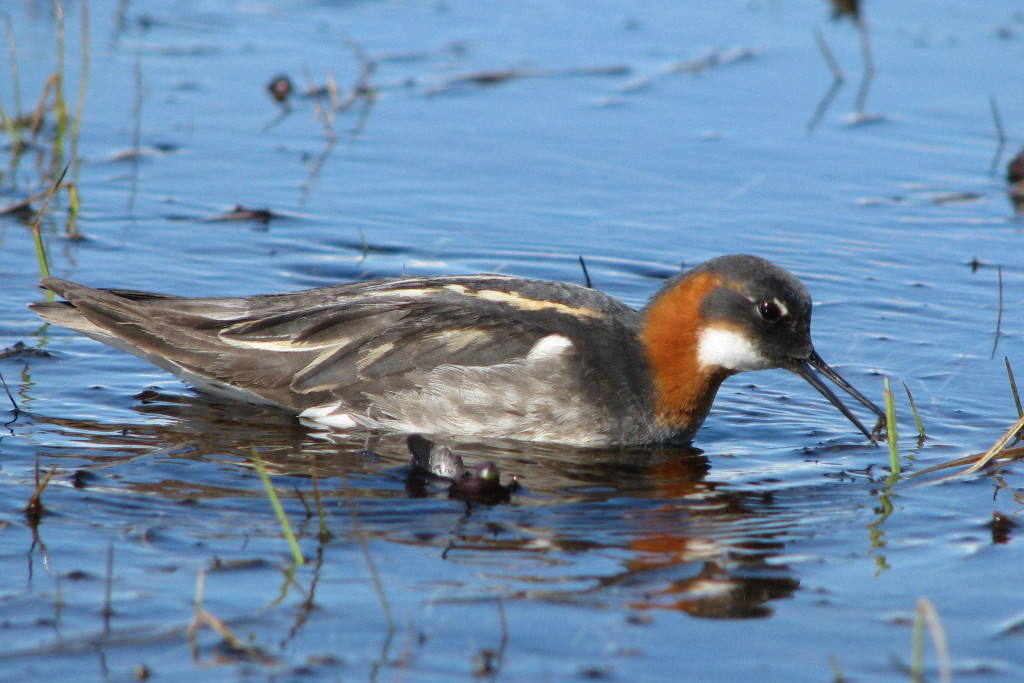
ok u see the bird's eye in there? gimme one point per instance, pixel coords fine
(770, 311)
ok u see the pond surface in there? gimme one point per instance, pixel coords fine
(517, 137)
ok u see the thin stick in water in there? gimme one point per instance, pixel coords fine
(34, 509)
(837, 83)
(13, 129)
(325, 533)
(60, 108)
(586, 275)
(992, 452)
(357, 529)
(917, 415)
(1000, 135)
(136, 132)
(1013, 386)
(74, 204)
(869, 67)
(17, 412)
(927, 615)
(999, 314)
(108, 589)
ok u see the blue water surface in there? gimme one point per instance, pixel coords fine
(642, 137)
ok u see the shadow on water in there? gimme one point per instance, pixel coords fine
(681, 541)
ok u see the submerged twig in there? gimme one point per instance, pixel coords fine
(136, 131)
(34, 509)
(837, 83)
(1000, 134)
(108, 589)
(363, 88)
(9, 121)
(60, 108)
(926, 614)
(714, 59)
(1008, 454)
(324, 114)
(992, 452)
(999, 314)
(74, 204)
(325, 534)
(357, 529)
(869, 68)
(476, 79)
(202, 617)
(998, 451)
(17, 411)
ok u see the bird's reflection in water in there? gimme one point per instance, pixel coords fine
(682, 541)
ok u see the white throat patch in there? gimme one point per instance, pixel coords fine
(720, 347)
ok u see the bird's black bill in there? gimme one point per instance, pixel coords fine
(804, 369)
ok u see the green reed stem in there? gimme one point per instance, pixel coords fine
(282, 518)
(37, 232)
(37, 239)
(890, 429)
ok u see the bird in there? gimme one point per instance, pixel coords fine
(486, 356)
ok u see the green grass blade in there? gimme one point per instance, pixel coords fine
(890, 430)
(282, 518)
(1013, 386)
(913, 408)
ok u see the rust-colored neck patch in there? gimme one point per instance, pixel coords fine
(683, 390)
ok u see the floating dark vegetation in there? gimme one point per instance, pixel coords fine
(280, 88)
(262, 216)
(34, 510)
(477, 79)
(329, 100)
(845, 8)
(1002, 527)
(1014, 169)
(20, 350)
(436, 464)
(1015, 177)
